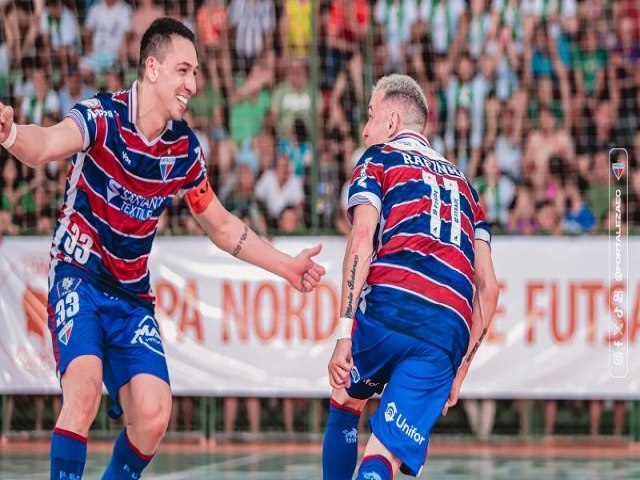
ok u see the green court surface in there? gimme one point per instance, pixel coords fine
(278, 466)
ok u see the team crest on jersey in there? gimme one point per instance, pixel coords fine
(166, 165)
(65, 333)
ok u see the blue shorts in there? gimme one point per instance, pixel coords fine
(123, 333)
(418, 378)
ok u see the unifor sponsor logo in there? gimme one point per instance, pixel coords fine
(391, 414)
(130, 203)
(147, 334)
(350, 436)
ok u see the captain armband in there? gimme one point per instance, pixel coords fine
(199, 197)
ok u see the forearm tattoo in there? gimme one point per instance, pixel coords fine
(476, 346)
(243, 238)
(351, 283)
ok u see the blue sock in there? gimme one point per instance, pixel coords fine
(340, 447)
(68, 455)
(375, 466)
(126, 461)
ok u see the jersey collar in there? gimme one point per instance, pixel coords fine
(132, 106)
(412, 134)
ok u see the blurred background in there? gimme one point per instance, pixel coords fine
(527, 97)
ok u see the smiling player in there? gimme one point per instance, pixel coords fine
(133, 154)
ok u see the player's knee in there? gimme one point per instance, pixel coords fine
(81, 404)
(153, 417)
(341, 397)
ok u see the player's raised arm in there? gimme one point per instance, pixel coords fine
(355, 269)
(34, 145)
(485, 301)
(230, 234)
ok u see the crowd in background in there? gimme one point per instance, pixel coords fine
(527, 97)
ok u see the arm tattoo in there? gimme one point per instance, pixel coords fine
(351, 283)
(476, 346)
(243, 238)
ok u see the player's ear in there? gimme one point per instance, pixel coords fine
(151, 66)
(394, 122)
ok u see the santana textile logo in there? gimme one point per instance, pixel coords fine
(148, 336)
(130, 203)
(391, 413)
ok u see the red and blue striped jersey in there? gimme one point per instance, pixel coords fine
(421, 277)
(116, 189)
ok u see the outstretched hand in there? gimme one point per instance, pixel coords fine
(6, 120)
(305, 274)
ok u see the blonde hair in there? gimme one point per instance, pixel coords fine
(404, 89)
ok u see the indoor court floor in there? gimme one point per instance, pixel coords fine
(302, 462)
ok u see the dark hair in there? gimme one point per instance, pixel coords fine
(157, 39)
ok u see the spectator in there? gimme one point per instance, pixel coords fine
(442, 18)
(481, 415)
(589, 65)
(107, 31)
(254, 22)
(60, 34)
(289, 223)
(182, 405)
(21, 21)
(478, 28)
(145, 13)
(239, 197)
(466, 90)
(44, 100)
(397, 18)
(293, 98)
(213, 39)
(498, 191)
(74, 89)
(347, 24)
(297, 147)
(278, 188)
(296, 28)
(252, 100)
(507, 15)
(231, 405)
(508, 143)
(578, 218)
